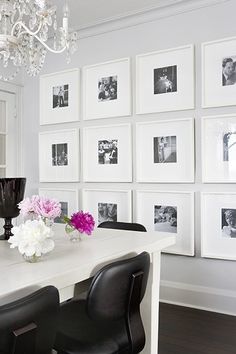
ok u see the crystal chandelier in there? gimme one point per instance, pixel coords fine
(26, 27)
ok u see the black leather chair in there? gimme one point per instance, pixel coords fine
(122, 226)
(108, 321)
(28, 325)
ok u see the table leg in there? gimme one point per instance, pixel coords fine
(150, 306)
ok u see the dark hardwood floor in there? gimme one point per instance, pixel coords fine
(184, 330)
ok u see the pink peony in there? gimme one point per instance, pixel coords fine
(83, 222)
(40, 206)
(27, 206)
(47, 208)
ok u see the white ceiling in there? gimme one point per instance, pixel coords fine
(85, 13)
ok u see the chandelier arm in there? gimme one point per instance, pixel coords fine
(49, 48)
(34, 34)
(27, 30)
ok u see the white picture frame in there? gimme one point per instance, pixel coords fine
(68, 199)
(165, 80)
(217, 89)
(165, 151)
(59, 156)
(152, 209)
(100, 146)
(219, 149)
(218, 232)
(108, 205)
(59, 97)
(107, 89)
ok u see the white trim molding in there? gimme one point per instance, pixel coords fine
(164, 8)
(200, 297)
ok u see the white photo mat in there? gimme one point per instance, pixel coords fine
(165, 151)
(215, 91)
(107, 89)
(67, 197)
(168, 213)
(108, 205)
(218, 228)
(219, 149)
(100, 144)
(165, 80)
(59, 156)
(59, 97)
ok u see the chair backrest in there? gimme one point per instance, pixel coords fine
(122, 226)
(28, 325)
(117, 291)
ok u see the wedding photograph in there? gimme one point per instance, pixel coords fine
(61, 96)
(165, 79)
(108, 152)
(107, 212)
(165, 218)
(107, 88)
(59, 154)
(165, 149)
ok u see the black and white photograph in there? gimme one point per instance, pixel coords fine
(59, 154)
(60, 96)
(228, 223)
(218, 218)
(165, 79)
(165, 149)
(165, 218)
(228, 71)
(107, 88)
(64, 212)
(229, 146)
(107, 212)
(108, 152)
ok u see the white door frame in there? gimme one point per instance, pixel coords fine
(18, 91)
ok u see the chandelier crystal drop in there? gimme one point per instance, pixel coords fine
(26, 27)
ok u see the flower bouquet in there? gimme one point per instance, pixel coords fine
(79, 223)
(40, 207)
(33, 239)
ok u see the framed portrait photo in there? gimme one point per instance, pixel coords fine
(59, 97)
(218, 229)
(68, 199)
(107, 153)
(107, 89)
(219, 149)
(165, 151)
(108, 205)
(218, 73)
(59, 156)
(165, 80)
(168, 213)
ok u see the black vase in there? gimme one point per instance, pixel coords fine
(11, 193)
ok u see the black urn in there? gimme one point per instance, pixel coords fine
(11, 193)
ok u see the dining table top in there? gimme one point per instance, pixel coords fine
(72, 262)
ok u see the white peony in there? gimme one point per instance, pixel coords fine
(32, 238)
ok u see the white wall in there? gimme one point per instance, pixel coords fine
(190, 280)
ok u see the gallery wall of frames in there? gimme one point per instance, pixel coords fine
(164, 148)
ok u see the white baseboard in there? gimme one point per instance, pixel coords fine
(199, 297)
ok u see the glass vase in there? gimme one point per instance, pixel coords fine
(74, 234)
(31, 259)
(48, 222)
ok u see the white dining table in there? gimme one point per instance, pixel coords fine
(71, 263)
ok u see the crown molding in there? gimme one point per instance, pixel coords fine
(165, 8)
